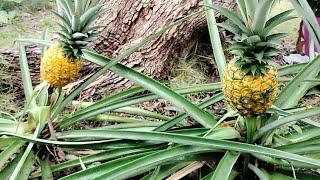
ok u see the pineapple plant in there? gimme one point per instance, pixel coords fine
(250, 80)
(62, 62)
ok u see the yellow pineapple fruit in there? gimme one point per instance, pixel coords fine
(57, 69)
(62, 62)
(249, 95)
(250, 81)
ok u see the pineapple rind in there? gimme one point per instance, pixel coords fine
(247, 94)
(56, 68)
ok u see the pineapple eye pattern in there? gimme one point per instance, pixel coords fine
(247, 94)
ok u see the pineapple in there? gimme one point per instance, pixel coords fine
(250, 80)
(62, 62)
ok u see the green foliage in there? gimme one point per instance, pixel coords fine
(150, 144)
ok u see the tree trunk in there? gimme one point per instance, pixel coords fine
(130, 20)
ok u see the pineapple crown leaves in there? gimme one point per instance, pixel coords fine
(76, 25)
(251, 26)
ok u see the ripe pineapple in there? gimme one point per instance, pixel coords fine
(62, 62)
(250, 81)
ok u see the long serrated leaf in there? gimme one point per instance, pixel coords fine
(231, 28)
(166, 170)
(309, 20)
(9, 151)
(64, 20)
(251, 8)
(167, 137)
(36, 41)
(261, 174)
(65, 8)
(113, 62)
(26, 169)
(44, 37)
(276, 20)
(7, 171)
(291, 69)
(132, 91)
(108, 104)
(200, 115)
(46, 173)
(93, 173)
(225, 166)
(182, 116)
(218, 52)
(26, 78)
(243, 10)
(298, 86)
(85, 18)
(261, 14)
(294, 117)
(142, 164)
(102, 156)
(231, 16)
(128, 110)
(283, 163)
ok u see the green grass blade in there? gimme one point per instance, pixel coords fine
(298, 86)
(224, 168)
(220, 59)
(6, 142)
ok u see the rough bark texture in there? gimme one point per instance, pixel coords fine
(131, 20)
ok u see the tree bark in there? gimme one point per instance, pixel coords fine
(127, 22)
(131, 20)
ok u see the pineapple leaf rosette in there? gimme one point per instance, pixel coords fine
(250, 80)
(62, 62)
